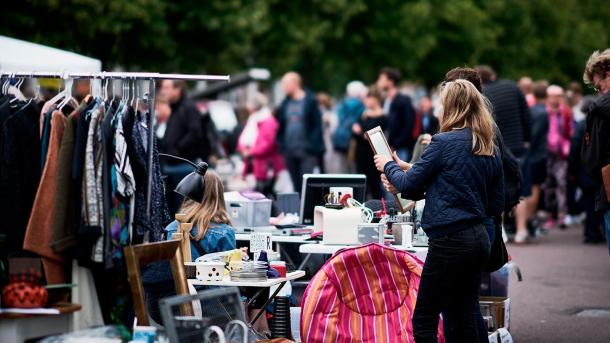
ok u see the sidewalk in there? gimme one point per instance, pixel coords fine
(561, 277)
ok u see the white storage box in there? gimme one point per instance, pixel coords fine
(210, 271)
(245, 212)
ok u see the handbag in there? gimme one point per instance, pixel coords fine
(498, 255)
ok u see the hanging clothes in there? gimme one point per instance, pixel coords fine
(145, 227)
(46, 133)
(66, 207)
(92, 183)
(39, 234)
(20, 171)
(123, 191)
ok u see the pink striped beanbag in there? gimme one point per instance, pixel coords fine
(363, 294)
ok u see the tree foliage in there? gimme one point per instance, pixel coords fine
(329, 41)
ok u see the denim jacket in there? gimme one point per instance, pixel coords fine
(218, 237)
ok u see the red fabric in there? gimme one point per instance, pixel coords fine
(363, 294)
(39, 233)
(265, 152)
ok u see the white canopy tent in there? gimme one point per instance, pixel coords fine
(18, 55)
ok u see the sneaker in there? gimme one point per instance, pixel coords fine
(569, 220)
(549, 224)
(520, 238)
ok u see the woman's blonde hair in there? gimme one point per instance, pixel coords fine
(211, 209)
(463, 106)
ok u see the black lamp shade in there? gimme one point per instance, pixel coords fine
(192, 187)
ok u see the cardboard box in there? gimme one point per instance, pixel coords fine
(499, 308)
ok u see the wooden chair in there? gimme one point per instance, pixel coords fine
(143, 254)
(184, 236)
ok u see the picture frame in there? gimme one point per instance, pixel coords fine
(380, 146)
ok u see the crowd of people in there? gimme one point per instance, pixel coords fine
(495, 152)
(541, 127)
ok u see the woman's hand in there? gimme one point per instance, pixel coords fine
(387, 185)
(357, 129)
(402, 164)
(380, 162)
(427, 139)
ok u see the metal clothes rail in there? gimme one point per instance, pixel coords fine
(124, 76)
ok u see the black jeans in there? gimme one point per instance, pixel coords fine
(450, 283)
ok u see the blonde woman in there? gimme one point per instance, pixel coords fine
(460, 174)
(212, 231)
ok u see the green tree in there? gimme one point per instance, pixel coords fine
(329, 41)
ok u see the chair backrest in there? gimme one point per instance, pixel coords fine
(143, 254)
(357, 292)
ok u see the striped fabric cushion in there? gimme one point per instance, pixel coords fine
(363, 294)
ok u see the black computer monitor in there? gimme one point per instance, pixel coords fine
(315, 186)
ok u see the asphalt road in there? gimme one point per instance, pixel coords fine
(561, 277)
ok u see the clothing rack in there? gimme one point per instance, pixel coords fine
(124, 76)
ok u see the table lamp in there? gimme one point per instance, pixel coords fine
(191, 186)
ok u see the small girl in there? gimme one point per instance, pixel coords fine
(212, 231)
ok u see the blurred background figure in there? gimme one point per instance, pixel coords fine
(300, 133)
(575, 100)
(526, 84)
(560, 132)
(372, 117)
(578, 177)
(183, 137)
(81, 88)
(163, 112)
(513, 119)
(258, 144)
(329, 163)
(429, 123)
(597, 75)
(348, 112)
(400, 112)
(538, 152)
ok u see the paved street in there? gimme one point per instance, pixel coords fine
(561, 277)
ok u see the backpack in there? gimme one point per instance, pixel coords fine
(348, 112)
(596, 137)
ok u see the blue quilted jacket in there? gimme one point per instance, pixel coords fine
(461, 188)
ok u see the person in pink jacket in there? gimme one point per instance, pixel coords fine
(257, 144)
(558, 140)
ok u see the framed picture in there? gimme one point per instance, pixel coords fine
(380, 146)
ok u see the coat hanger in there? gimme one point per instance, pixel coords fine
(60, 94)
(68, 96)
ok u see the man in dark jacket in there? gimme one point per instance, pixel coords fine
(184, 137)
(539, 151)
(513, 119)
(597, 74)
(300, 133)
(401, 114)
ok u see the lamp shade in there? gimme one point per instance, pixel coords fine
(193, 185)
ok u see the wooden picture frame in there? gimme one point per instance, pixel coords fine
(380, 146)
